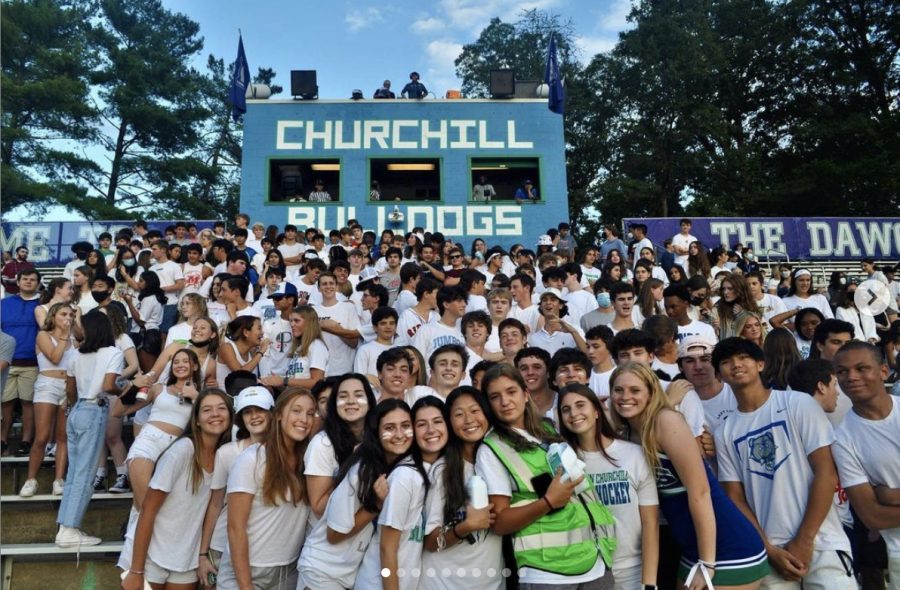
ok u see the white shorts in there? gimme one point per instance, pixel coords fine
(142, 415)
(49, 390)
(156, 574)
(150, 444)
(827, 571)
(276, 577)
(316, 580)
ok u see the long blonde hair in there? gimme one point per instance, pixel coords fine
(311, 330)
(280, 482)
(655, 406)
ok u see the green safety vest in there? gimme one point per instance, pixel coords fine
(565, 541)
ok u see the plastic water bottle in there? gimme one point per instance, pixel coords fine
(144, 392)
(562, 455)
(476, 488)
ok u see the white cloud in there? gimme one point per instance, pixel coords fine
(427, 25)
(441, 72)
(358, 20)
(616, 17)
(474, 15)
(591, 46)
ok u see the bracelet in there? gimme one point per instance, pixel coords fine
(136, 572)
(204, 554)
(549, 505)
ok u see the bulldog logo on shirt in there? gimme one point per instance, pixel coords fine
(762, 450)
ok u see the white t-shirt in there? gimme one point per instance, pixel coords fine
(265, 307)
(815, 301)
(692, 410)
(483, 556)
(320, 458)
(670, 369)
(274, 533)
(300, 367)
(862, 452)
(530, 316)
(770, 306)
(552, 342)
(169, 273)
(682, 241)
(409, 323)
(404, 511)
(476, 303)
(278, 332)
(590, 273)
(405, 300)
(623, 486)
(340, 356)
(499, 483)
(697, 328)
(290, 251)
(367, 357)
(175, 544)
(718, 408)
(430, 337)
(339, 561)
(767, 451)
(580, 303)
(314, 297)
(637, 247)
(193, 278)
(90, 369)
(599, 383)
(151, 311)
(180, 332)
(225, 458)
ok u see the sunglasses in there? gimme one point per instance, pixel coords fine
(454, 256)
(277, 297)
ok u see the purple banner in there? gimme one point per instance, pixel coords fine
(799, 238)
(49, 243)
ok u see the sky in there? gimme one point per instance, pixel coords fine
(356, 44)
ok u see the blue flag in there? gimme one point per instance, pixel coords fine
(240, 80)
(557, 98)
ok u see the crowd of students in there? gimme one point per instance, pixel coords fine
(333, 417)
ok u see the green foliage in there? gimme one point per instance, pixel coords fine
(47, 113)
(103, 114)
(723, 107)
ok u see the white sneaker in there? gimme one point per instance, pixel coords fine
(29, 489)
(58, 485)
(69, 537)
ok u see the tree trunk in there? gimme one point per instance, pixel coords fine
(116, 164)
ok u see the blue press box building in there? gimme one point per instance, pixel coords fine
(425, 155)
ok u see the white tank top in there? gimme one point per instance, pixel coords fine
(45, 364)
(222, 370)
(167, 409)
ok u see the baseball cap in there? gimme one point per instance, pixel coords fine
(555, 292)
(285, 289)
(255, 395)
(368, 273)
(696, 345)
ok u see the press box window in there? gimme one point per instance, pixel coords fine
(498, 179)
(297, 180)
(405, 179)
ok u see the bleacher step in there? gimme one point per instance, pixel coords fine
(32, 549)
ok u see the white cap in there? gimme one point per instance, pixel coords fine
(367, 273)
(255, 395)
(555, 292)
(545, 240)
(695, 345)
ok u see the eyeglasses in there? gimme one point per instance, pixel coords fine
(455, 256)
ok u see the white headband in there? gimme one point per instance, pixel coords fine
(802, 272)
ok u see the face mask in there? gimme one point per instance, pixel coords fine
(603, 300)
(100, 296)
(750, 256)
(785, 274)
(129, 262)
(730, 265)
(153, 261)
(697, 300)
(199, 343)
(843, 281)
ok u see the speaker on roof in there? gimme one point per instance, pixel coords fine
(303, 84)
(503, 83)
